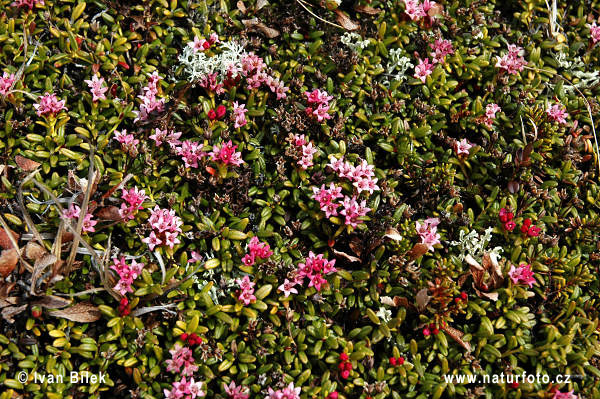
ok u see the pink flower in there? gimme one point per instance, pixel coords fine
(150, 103)
(353, 210)
(557, 113)
(96, 88)
(428, 232)
(462, 147)
(127, 274)
(128, 142)
(595, 33)
(73, 213)
(29, 4)
(133, 202)
(6, 82)
(288, 392)
(513, 62)
(234, 391)
(491, 110)
(191, 152)
(414, 9)
(424, 69)
(159, 136)
(314, 268)
(565, 395)
(321, 112)
(326, 198)
(317, 97)
(239, 114)
(185, 390)
(522, 275)
(441, 48)
(182, 361)
(49, 104)
(247, 287)
(307, 151)
(226, 154)
(166, 228)
(288, 287)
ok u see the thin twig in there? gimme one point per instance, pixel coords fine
(316, 16)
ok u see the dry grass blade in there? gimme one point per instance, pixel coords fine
(83, 212)
(26, 216)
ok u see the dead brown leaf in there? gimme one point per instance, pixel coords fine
(417, 251)
(422, 299)
(8, 261)
(5, 239)
(256, 24)
(110, 212)
(437, 9)
(26, 164)
(34, 251)
(10, 311)
(344, 255)
(364, 9)
(52, 302)
(393, 234)
(241, 7)
(456, 335)
(83, 312)
(260, 4)
(344, 20)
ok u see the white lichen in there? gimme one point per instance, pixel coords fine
(475, 245)
(197, 64)
(354, 41)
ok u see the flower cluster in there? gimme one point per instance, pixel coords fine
(428, 232)
(527, 228)
(128, 141)
(326, 198)
(594, 32)
(182, 361)
(314, 268)
(565, 395)
(134, 199)
(506, 217)
(239, 115)
(522, 275)
(127, 274)
(6, 82)
(247, 287)
(204, 44)
(302, 150)
(235, 391)
(29, 4)
(191, 339)
(345, 366)
(49, 105)
(417, 10)
(424, 69)
(172, 138)
(557, 113)
(190, 152)
(73, 213)
(288, 392)
(166, 227)
(513, 62)
(254, 69)
(318, 104)
(226, 154)
(96, 88)
(258, 250)
(185, 390)
(150, 103)
(490, 113)
(361, 176)
(441, 48)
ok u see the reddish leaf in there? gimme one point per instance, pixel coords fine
(110, 212)
(417, 251)
(34, 251)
